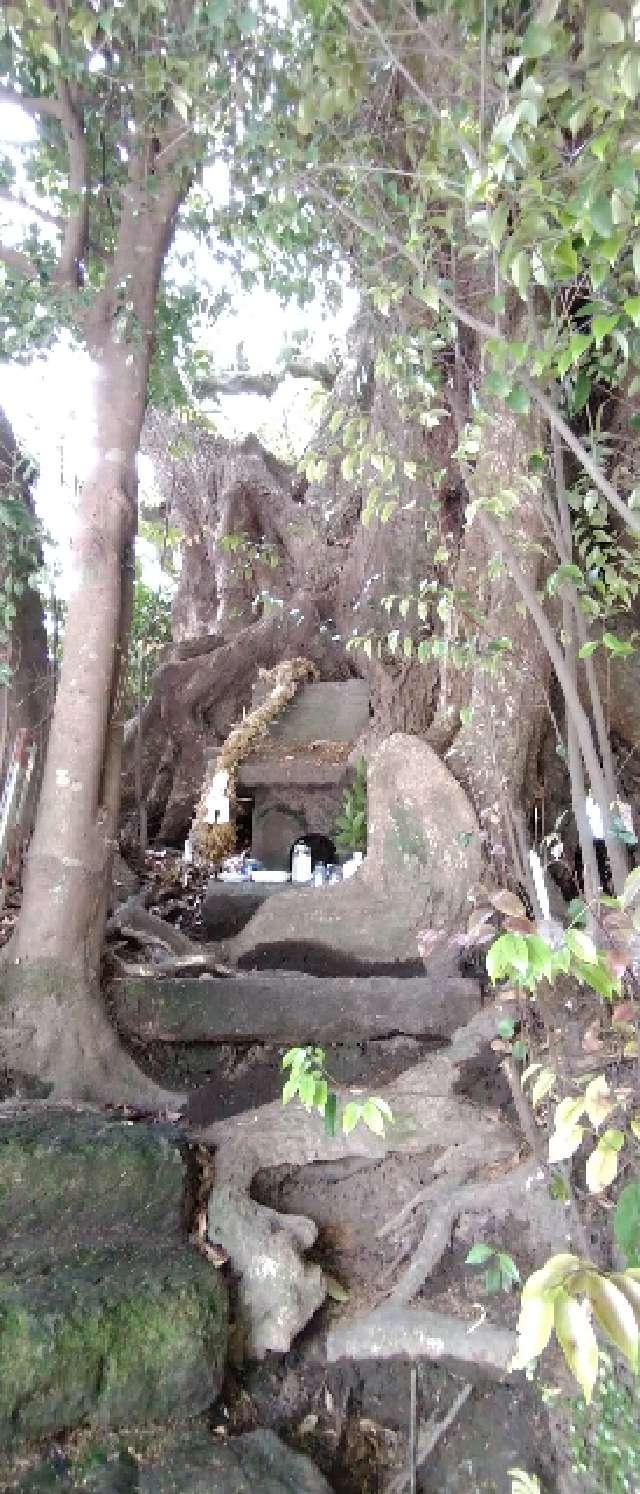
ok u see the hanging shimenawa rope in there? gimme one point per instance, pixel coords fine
(282, 682)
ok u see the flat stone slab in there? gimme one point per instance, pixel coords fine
(107, 1315)
(291, 1008)
(228, 906)
(186, 1462)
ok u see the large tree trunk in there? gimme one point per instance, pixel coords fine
(55, 1027)
(494, 751)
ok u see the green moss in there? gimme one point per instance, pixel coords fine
(121, 1350)
(72, 1172)
(107, 1316)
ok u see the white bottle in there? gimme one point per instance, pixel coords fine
(301, 863)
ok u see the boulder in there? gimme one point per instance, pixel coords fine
(184, 1462)
(423, 860)
(107, 1315)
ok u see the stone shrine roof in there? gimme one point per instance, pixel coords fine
(312, 739)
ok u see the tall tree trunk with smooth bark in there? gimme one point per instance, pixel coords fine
(54, 1024)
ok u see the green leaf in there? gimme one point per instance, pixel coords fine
(566, 257)
(535, 1325)
(307, 1090)
(629, 75)
(506, 1028)
(498, 225)
(518, 400)
(578, 345)
(582, 945)
(383, 1107)
(628, 1282)
(538, 40)
(373, 1118)
(563, 1144)
(479, 1254)
(577, 1340)
(351, 1115)
(289, 1089)
(543, 1086)
(596, 976)
(330, 1113)
(523, 1482)
(552, 1277)
(520, 272)
(631, 889)
(492, 1279)
(602, 1165)
(602, 325)
(615, 1315)
(601, 216)
(626, 1223)
(500, 957)
(588, 649)
(632, 308)
(611, 28)
(334, 1288)
(618, 646)
(508, 1269)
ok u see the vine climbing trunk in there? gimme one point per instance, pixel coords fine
(54, 1024)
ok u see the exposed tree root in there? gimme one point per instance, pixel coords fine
(55, 1029)
(416, 1333)
(429, 1119)
(509, 1195)
(132, 920)
(475, 1169)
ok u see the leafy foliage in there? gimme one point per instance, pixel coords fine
(20, 540)
(150, 631)
(501, 1272)
(563, 1295)
(604, 1436)
(351, 824)
(309, 1082)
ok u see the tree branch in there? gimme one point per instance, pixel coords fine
(75, 233)
(29, 207)
(29, 102)
(16, 260)
(266, 384)
(486, 330)
(370, 22)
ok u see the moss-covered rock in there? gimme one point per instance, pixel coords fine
(107, 1316)
(183, 1462)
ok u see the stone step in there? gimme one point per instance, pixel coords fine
(280, 1007)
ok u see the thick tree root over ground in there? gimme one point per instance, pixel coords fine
(54, 1029)
(473, 1154)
